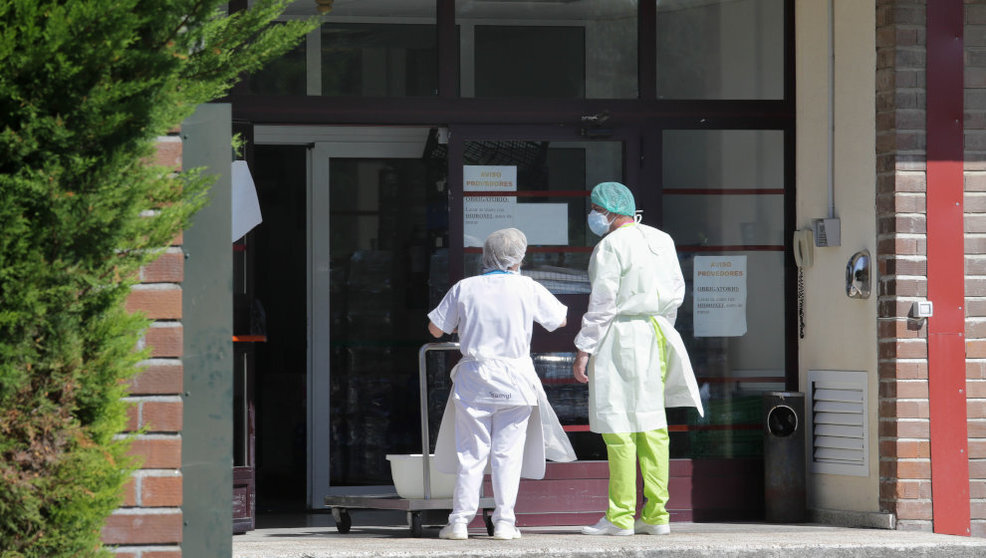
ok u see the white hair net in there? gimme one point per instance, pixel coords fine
(504, 249)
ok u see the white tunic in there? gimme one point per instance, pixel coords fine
(637, 287)
(494, 315)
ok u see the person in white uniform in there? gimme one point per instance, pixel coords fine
(632, 358)
(495, 387)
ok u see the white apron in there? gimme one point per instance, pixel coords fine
(546, 439)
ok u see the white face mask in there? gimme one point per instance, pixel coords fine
(598, 223)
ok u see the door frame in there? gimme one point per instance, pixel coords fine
(325, 143)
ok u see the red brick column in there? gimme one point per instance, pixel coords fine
(149, 524)
(905, 463)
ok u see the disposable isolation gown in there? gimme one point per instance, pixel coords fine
(636, 285)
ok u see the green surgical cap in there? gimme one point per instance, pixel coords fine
(614, 197)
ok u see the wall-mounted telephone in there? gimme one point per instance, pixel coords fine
(804, 256)
(804, 246)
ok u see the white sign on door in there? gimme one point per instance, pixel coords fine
(719, 296)
(485, 214)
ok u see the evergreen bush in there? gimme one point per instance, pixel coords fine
(86, 86)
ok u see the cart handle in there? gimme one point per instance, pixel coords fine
(423, 389)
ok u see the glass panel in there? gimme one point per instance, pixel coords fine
(382, 247)
(585, 49)
(546, 185)
(720, 49)
(700, 170)
(530, 61)
(380, 48)
(758, 353)
(725, 220)
(723, 159)
(726, 188)
(734, 372)
(370, 48)
(283, 76)
(379, 60)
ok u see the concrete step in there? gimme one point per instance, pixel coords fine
(686, 540)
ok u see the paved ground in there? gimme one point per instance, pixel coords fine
(316, 537)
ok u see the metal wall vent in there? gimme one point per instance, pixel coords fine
(838, 414)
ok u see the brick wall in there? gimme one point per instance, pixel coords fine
(974, 40)
(905, 464)
(149, 524)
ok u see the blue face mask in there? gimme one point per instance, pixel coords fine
(598, 223)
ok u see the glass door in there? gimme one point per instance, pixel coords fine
(538, 180)
(376, 219)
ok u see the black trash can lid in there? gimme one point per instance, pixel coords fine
(784, 394)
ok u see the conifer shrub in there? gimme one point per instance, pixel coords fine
(86, 86)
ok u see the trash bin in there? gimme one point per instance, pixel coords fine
(784, 456)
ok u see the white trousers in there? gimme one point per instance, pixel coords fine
(488, 433)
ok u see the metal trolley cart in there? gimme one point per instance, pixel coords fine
(419, 510)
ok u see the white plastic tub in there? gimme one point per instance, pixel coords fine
(406, 469)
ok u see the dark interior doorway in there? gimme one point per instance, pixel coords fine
(279, 246)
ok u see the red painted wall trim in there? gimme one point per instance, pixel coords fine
(946, 273)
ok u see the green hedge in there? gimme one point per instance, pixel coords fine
(86, 86)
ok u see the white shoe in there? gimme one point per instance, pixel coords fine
(454, 531)
(650, 529)
(604, 527)
(504, 531)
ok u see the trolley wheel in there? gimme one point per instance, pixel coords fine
(488, 520)
(414, 518)
(343, 520)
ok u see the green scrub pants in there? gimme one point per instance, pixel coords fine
(623, 450)
(651, 448)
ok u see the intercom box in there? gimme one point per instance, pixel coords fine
(828, 232)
